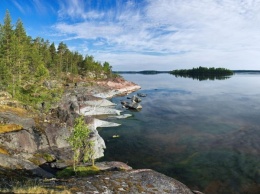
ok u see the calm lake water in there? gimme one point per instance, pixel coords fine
(205, 134)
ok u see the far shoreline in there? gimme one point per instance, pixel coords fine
(151, 72)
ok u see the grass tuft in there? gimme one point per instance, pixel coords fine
(81, 171)
(29, 187)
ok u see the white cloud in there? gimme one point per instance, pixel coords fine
(167, 33)
(87, 30)
(78, 9)
(29, 7)
(19, 7)
(40, 7)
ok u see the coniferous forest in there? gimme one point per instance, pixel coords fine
(203, 73)
(26, 63)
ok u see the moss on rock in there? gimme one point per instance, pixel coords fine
(5, 128)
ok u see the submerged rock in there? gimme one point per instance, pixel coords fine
(116, 136)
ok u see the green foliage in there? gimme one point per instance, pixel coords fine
(80, 171)
(81, 143)
(41, 72)
(37, 158)
(107, 69)
(203, 73)
(25, 63)
(47, 157)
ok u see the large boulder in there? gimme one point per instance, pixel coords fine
(135, 106)
(135, 99)
(25, 140)
(18, 163)
(57, 135)
(122, 179)
(132, 105)
(13, 117)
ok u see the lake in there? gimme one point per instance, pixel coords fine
(205, 134)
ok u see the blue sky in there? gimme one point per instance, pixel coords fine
(148, 34)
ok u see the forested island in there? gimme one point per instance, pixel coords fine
(204, 73)
(145, 72)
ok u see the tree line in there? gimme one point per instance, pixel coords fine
(26, 62)
(203, 71)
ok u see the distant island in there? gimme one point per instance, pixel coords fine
(147, 72)
(183, 72)
(204, 73)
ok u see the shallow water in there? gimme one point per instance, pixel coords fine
(204, 133)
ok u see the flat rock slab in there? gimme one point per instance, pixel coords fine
(100, 123)
(133, 181)
(99, 103)
(113, 165)
(124, 116)
(91, 110)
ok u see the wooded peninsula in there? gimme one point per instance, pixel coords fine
(26, 63)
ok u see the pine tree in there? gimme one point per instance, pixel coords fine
(3, 68)
(53, 58)
(107, 69)
(8, 51)
(21, 52)
(37, 64)
(7, 39)
(45, 52)
(61, 51)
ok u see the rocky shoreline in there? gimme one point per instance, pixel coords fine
(35, 140)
